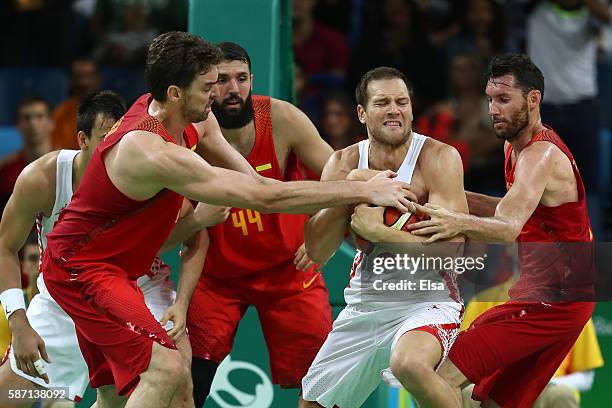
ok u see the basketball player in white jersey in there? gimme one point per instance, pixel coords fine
(399, 336)
(41, 191)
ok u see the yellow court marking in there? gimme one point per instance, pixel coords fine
(263, 167)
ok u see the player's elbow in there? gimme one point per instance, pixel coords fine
(512, 231)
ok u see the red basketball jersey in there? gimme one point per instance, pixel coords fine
(248, 241)
(550, 267)
(101, 225)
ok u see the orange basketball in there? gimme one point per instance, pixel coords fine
(393, 218)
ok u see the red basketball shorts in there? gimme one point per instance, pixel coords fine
(114, 327)
(511, 351)
(293, 308)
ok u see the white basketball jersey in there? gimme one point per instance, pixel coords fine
(63, 194)
(361, 289)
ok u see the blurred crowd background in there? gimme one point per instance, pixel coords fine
(53, 52)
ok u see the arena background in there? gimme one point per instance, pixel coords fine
(263, 27)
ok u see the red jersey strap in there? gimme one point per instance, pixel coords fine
(191, 137)
(263, 135)
(262, 115)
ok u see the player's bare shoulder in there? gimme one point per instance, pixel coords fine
(36, 183)
(340, 163)
(438, 159)
(288, 121)
(282, 111)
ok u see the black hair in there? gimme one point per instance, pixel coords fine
(234, 52)
(175, 58)
(105, 103)
(527, 76)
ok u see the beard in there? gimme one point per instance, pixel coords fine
(233, 118)
(394, 141)
(190, 114)
(514, 126)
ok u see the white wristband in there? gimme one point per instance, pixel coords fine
(12, 300)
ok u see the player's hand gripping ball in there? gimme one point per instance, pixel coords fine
(393, 218)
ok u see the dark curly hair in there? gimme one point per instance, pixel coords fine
(175, 58)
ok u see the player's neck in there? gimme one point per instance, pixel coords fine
(173, 122)
(241, 139)
(384, 156)
(79, 164)
(525, 136)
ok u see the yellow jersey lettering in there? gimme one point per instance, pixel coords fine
(255, 218)
(238, 221)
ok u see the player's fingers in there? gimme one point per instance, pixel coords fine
(421, 224)
(43, 351)
(173, 333)
(389, 174)
(400, 206)
(179, 336)
(28, 368)
(434, 238)
(427, 231)
(19, 363)
(305, 264)
(423, 209)
(167, 316)
(407, 204)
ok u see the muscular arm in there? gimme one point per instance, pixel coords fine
(217, 151)
(143, 164)
(27, 201)
(303, 137)
(324, 231)
(533, 172)
(31, 195)
(481, 205)
(193, 255)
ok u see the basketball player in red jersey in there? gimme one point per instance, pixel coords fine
(520, 344)
(128, 202)
(253, 258)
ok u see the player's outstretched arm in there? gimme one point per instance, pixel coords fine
(186, 173)
(533, 172)
(17, 221)
(217, 151)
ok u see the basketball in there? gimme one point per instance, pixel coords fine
(393, 218)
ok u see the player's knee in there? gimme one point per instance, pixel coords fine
(410, 370)
(170, 365)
